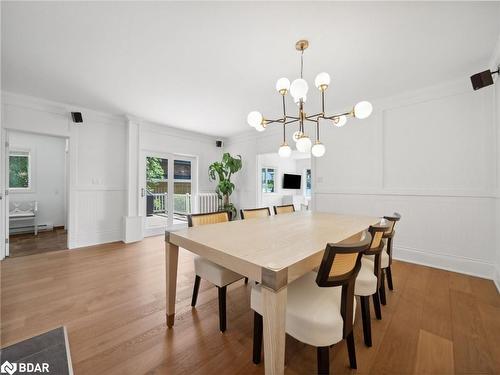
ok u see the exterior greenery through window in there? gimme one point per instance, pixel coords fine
(157, 186)
(268, 180)
(308, 182)
(19, 170)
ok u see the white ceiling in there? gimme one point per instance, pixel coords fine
(204, 66)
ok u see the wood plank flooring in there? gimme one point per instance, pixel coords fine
(112, 300)
(45, 241)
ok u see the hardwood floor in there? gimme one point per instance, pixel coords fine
(112, 300)
(45, 241)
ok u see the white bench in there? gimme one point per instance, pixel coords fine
(23, 211)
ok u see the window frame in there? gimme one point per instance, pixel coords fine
(29, 154)
(305, 185)
(266, 180)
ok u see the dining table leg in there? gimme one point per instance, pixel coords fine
(171, 260)
(274, 318)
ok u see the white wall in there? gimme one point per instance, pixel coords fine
(97, 150)
(160, 138)
(103, 162)
(428, 154)
(48, 182)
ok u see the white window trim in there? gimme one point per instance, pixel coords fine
(305, 183)
(275, 174)
(22, 152)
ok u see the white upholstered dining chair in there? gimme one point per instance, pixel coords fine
(320, 306)
(220, 276)
(368, 280)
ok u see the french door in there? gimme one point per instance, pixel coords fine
(167, 191)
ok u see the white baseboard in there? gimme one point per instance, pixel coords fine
(468, 266)
(91, 239)
(496, 278)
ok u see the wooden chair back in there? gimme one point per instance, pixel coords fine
(287, 208)
(391, 221)
(207, 218)
(389, 234)
(376, 246)
(253, 213)
(339, 267)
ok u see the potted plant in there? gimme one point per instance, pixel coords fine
(222, 171)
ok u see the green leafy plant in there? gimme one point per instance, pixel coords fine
(222, 171)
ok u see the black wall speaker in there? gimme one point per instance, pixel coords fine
(483, 79)
(219, 143)
(77, 117)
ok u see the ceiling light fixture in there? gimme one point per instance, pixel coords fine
(298, 90)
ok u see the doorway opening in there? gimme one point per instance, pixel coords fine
(36, 203)
(284, 181)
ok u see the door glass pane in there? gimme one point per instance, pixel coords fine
(156, 191)
(270, 180)
(182, 170)
(182, 201)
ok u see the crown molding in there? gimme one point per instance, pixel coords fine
(58, 108)
(154, 127)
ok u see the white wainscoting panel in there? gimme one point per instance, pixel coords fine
(440, 144)
(455, 233)
(100, 216)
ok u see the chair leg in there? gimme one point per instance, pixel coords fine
(222, 308)
(323, 360)
(389, 277)
(257, 337)
(376, 306)
(365, 314)
(196, 288)
(246, 280)
(351, 350)
(381, 290)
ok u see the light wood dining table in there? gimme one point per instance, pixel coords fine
(274, 251)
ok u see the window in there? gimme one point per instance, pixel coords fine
(19, 170)
(308, 182)
(268, 178)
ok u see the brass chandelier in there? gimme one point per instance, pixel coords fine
(298, 90)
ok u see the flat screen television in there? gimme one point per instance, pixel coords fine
(291, 181)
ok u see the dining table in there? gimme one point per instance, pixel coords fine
(273, 251)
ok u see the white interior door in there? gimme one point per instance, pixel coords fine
(167, 187)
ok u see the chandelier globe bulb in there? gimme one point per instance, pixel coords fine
(299, 88)
(304, 144)
(283, 85)
(318, 149)
(363, 110)
(285, 151)
(254, 119)
(322, 81)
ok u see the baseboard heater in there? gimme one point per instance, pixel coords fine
(30, 228)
